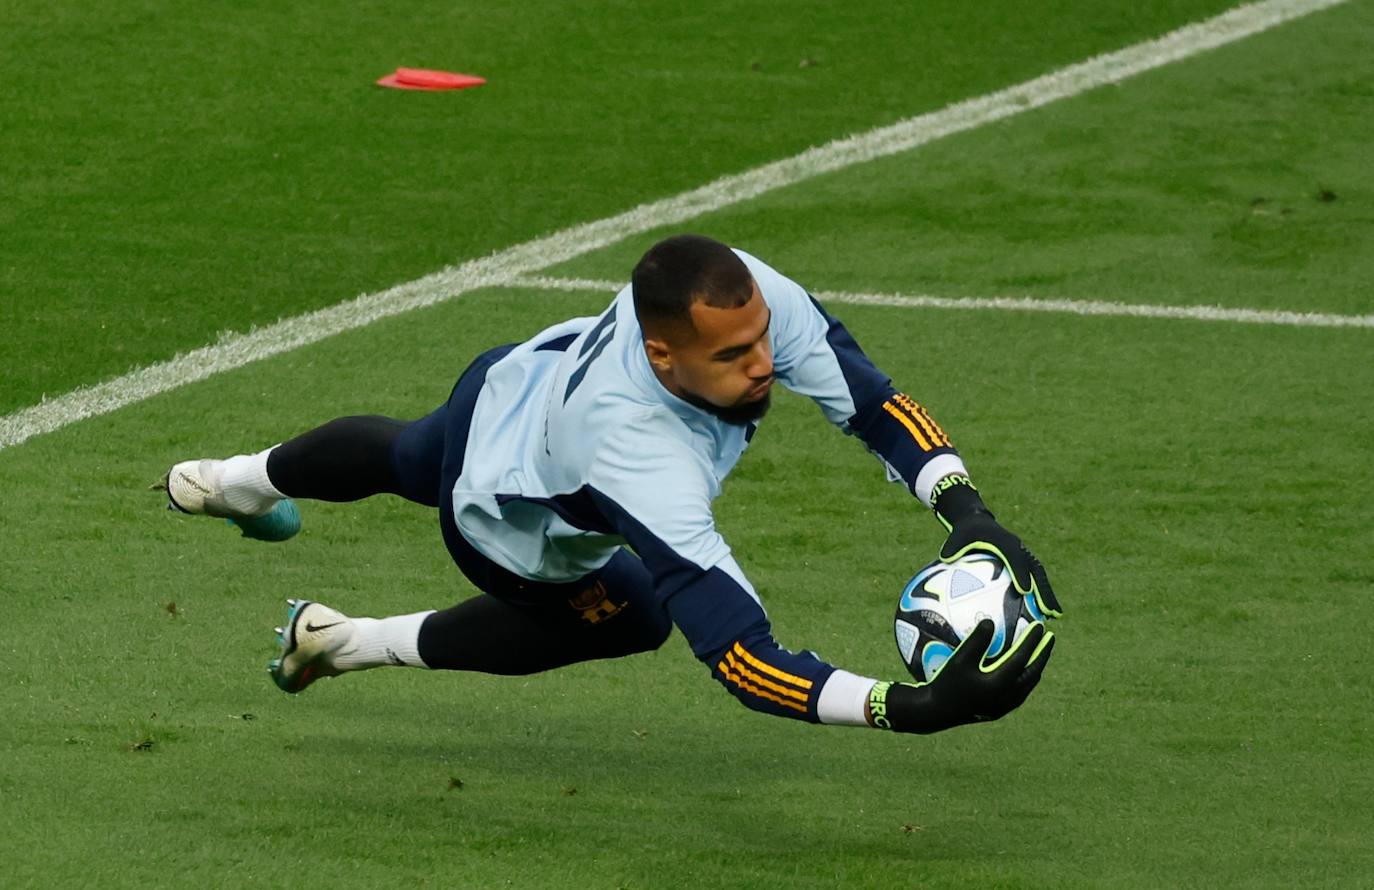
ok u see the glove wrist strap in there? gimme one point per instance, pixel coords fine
(904, 707)
(876, 707)
(954, 498)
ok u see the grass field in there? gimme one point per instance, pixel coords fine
(1199, 490)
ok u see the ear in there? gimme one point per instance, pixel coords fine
(660, 356)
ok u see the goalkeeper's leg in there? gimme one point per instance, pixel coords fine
(609, 614)
(356, 457)
(344, 460)
(535, 627)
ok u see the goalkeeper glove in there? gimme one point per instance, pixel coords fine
(973, 528)
(964, 690)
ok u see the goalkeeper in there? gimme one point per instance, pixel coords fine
(574, 475)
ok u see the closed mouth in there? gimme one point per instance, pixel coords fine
(760, 391)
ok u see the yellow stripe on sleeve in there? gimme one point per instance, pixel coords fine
(939, 431)
(754, 690)
(906, 422)
(921, 416)
(764, 681)
(799, 682)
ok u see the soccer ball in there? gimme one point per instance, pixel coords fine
(944, 602)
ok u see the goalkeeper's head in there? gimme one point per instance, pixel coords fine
(705, 326)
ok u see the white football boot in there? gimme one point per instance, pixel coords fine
(312, 635)
(196, 487)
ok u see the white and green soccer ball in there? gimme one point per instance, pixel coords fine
(944, 602)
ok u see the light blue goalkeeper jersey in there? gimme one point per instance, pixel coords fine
(576, 449)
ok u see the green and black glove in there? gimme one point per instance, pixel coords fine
(973, 529)
(965, 690)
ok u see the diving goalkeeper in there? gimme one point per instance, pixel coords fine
(574, 475)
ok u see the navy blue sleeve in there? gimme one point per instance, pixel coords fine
(890, 423)
(724, 624)
(728, 630)
(815, 356)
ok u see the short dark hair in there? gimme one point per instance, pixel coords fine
(681, 270)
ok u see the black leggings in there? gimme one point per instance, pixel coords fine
(515, 626)
(345, 460)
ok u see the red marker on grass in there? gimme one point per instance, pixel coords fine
(429, 79)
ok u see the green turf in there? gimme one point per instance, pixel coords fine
(171, 172)
(1199, 722)
(1195, 489)
(1237, 178)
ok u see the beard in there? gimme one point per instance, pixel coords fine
(740, 415)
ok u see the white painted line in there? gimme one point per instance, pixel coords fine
(546, 282)
(1103, 307)
(1021, 304)
(236, 350)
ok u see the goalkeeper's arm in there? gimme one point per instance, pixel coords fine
(822, 360)
(729, 632)
(912, 444)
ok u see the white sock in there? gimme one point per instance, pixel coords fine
(379, 641)
(246, 486)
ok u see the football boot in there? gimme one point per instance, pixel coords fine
(312, 634)
(194, 487)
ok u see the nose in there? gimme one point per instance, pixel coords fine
(760, 365)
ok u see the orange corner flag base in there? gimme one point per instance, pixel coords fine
(427, 79)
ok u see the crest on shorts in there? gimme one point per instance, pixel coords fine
(595, 604)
